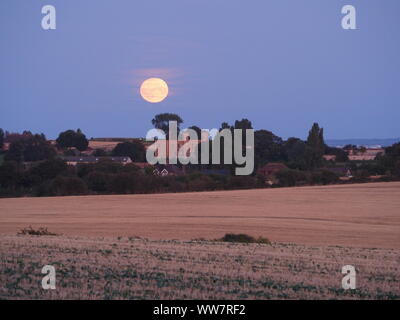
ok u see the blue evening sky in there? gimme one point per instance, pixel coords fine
(282, 64)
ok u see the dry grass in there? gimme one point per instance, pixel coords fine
(122, 268)
(364, 215)
(332, 226)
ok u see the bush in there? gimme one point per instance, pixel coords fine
(49, 169)
(201, 183)
(243, 238)
(9, 175)
(324, 177)
(290, 178)
(242, 182)
(97, 181)
(38, 232)
(68, 186)
(124, 183)
(104, 166)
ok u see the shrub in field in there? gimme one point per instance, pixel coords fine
(263, 240)
(243, 238)
(36, 232)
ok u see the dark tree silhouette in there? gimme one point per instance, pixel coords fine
(30, 148)
(135, 150)
(1, 138)
(161, 121)
(70, 138)
(315, 146)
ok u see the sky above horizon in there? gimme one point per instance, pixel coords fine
(282, 64)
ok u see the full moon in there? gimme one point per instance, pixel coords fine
(154, 90)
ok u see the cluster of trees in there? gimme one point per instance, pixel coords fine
(298, 154)
(133, 149)
(29, 148)
(47, 175)
(55, 178)
(387, 165)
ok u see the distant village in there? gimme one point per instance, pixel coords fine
(107, 145)
(72, 164)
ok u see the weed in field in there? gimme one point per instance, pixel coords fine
(36, 232)
(243, 238)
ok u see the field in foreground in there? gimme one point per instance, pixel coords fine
(362, 215)
(121, 247)
(123, 268)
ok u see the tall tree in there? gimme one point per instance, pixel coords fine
(315, 146)
(225, 125)
(295, 150)
(161, 121)
(197, 130)
(81, 143)
(1, 138)
(243, 124)
(268, 147)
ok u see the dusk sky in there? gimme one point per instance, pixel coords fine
(282, 64)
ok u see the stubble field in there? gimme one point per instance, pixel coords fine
(123, 247)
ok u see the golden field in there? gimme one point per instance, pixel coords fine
(130, 268)
(144, 247)
(362, 215)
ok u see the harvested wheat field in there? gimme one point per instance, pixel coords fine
(362, 215)
(131, 268)
(123, 247)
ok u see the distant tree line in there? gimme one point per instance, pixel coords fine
(31, 165)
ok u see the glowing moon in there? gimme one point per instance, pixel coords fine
(154, 90)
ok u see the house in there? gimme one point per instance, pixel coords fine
(271, 168)
(164, 170)
(74, 160)
(6, 146)
(329, 157)
(366, 154)
(362, 157)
